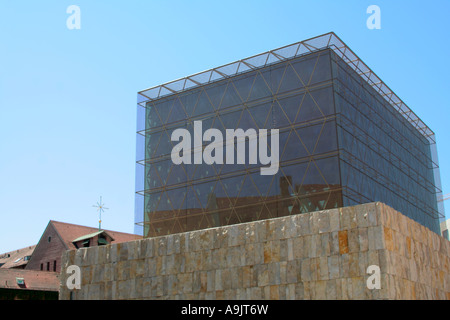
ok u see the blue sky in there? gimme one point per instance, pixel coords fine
(68, 97)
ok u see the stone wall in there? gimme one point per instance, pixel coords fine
(319, 255)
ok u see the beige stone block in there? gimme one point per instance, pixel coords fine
(123, 270)
(334, 243)
(283, 272)
(233, 257)
(274, 273)
(363, 239)
(353, 240)
(185, 282)
(80, 257)
(290, 292)
(256, 293)
(333, 267)
(323, 268)
(267, 247)
(314, 222)
(262, 274)
(324, 221)
(362, 262)
(334, 218)
(313, 244)
(343, 242)
(247, 276)
(291, 271)
(98, 273)
(283, 249)
(331, 290)
(299, 291)
(205, 239)
(348, 218)
(315, 269)
(161, 246)
(133, 249)
(148, 247)
(102, 254)
(274, 293)
(161, 265)
(206, 260)
(290, 249)
(353, 263)
(325, 242)
(123, 289)
(282, 228)
(304, 266)
(275, 250)
(259, 253)
(236, 277)
(196, 282)
(358, 288)
(362, 217)
(218, 281)
(261, 230)
(282, 292)
(122, 251)
(169, 245)
(319, 290)
(376, 238)
(304, 224)
(233, 236)
(298, 248)
(271, 229)
(249, 233)
(219, 258)
(210, 280)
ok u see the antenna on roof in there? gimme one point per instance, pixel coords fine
(100, 208)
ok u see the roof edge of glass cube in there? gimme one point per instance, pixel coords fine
(326, 41)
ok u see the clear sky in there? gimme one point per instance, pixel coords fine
(68, 97)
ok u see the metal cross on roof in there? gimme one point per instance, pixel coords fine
(100, 208)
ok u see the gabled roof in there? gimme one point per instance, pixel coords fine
(91, 235)
(70, 232)
(15, 258)
(33, 280)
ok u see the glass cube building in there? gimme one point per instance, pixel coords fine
(344, 139)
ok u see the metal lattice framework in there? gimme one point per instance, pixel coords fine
(328, 40)
(274, 87)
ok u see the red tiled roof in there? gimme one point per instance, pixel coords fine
(33, 280)
(70, 232)
(9, 258)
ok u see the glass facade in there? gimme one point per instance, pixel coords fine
(341, 142)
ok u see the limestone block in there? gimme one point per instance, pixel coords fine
(331, 290)
(247, 276)
(376, 237)
(291, 272)
(343, 242)
(334, 219)
(333, 267)
(324, 221)
(262, 274)
(334, 243)
(353, 240)
(298, 248)
(261, 230)
(122, 251)
(363, 239)
(249, 233)
(304, 224)
(274, 273)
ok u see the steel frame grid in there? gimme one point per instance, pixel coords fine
(327, 40)
(341, 50)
